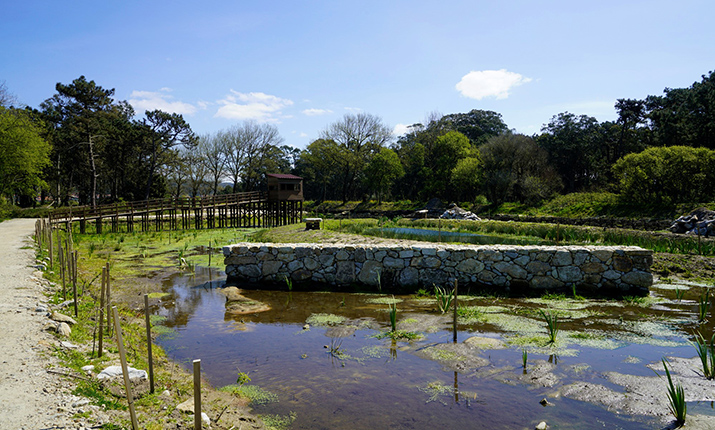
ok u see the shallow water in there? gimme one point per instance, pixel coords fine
(377, 383)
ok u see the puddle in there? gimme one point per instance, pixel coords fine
(318, 362)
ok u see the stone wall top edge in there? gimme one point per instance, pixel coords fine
(572, 248)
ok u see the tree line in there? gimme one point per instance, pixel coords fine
(81, 144)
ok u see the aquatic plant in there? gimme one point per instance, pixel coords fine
(706, 354)
(524, 358)
(393, 316)
(242, 378)
(676, 398)
(679, 293)
(444, 298)
(552, 324)
(703, 305)
(379, 281)
(289, 283)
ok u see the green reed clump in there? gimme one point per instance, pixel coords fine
(552, 324)
(444, 298)
(393, 316)
(703, 305)
(676, 398)
(706, 354)
(524, 358)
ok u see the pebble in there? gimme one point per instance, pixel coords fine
(542, 426)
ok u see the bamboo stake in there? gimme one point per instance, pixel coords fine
(148, 343)
(101, 312)
(125, 371)
(197, 394)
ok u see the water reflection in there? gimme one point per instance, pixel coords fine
(343, 377)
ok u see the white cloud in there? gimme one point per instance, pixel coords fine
(317, 112)
(203, 105)
(150, 100)
(400, 129)
(489, 83)
(353, 109)
(255, 106)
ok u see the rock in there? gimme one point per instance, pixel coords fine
(56, 316)
(68, 345)
(64, 329)
(116, 371)
(186, 406)
(42, 309)
(88, 368)
(205, 419)
(541, 426)
(455, 212)
(65, 304)
(544, 402)
(50, 327)
(306, 327)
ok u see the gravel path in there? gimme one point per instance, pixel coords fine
(30, 396)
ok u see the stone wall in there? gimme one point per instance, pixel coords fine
(591, 269)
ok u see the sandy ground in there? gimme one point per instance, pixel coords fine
(30, 396)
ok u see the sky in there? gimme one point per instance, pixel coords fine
(303, 65)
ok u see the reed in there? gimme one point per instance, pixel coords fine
(703, 305)
(706, 354)
(676, 398)
(444, 298)
(552, 324)
(393, 316)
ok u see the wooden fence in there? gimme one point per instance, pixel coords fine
(242, 210)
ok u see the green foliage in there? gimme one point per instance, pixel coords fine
(467, 177)
(676, 398)
(23, 153)
(444, 298)
(667, 175)
(382, 171)
(706, 354)
(703, 305)
(393, 316)
(552, 324)
(524, 358)
(517, 169)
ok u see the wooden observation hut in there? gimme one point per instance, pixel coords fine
(285, 197)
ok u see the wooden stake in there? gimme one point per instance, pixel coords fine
(455, 311)
(125, 371)
(74, 258)
(62, 271)
(50, 247)
(109, 299)
(148, 343)
(197, 394)
(101, 311)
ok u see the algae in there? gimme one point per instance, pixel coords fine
(325, 320)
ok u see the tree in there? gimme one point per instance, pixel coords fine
(382, 171)
(447, 151)
(467, 177)
(478, 125)
(517, 169)
(162, 132)
(212, 156)
(573, 145)
(23, 153)
(248, 148)
(319, 164)
(7, 99)
(667, 175)
(358, 138)
(684, 116)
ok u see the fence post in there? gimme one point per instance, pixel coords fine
(148, 343)
(125, 371)
(197, 394)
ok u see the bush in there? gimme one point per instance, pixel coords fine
(667, 175)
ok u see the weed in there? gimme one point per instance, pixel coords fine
(444, 298)
(524, 358)
(379, 281)
(703, 305)
(393, 316)
(706, 354)
(552, 324)
(422, 293)
(676, 398)
(289, 283)
(242, 378)
(679, 294)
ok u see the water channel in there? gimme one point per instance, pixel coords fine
(369, 382)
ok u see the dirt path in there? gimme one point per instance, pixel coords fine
(30, 396)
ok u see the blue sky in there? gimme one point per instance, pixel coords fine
(302, 65)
